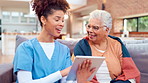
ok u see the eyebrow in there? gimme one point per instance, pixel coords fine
(59, 17)
(93, 25)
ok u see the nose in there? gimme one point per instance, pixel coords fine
(90, 29)
(61, 23)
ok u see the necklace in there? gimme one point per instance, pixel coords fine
(102, 51)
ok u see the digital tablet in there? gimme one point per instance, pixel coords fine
(96, 62)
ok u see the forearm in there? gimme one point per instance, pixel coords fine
(26, 77)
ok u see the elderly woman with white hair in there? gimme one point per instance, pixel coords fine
(119, 64)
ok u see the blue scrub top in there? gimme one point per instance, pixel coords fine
(31, 57)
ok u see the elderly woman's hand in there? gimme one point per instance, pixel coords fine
(84, 71)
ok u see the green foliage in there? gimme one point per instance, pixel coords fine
(131, 24)
(142, 24)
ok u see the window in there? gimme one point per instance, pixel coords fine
(15, 17)
(23, 19)
(132, 25)
(84, 27)
(143, 24)
(6, 16)
(138, 24)
(32, 20)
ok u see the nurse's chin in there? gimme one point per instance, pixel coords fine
(57, 35)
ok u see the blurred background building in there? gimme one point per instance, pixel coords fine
(130, 20)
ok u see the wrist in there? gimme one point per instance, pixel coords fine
(82, 81)
(63, 73)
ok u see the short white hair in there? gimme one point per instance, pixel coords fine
(102, 15)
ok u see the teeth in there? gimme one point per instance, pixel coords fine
(92, 35)
(59, 29)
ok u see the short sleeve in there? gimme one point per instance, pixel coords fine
(23, 59)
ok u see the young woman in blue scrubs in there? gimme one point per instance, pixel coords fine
(43, 59)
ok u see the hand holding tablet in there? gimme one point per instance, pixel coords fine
(95, 63)
(84, 71)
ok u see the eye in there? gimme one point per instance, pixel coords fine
(95, 27)
(88, 26)
(57, 20)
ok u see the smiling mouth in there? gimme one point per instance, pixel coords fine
(91, 36)
(59, 30)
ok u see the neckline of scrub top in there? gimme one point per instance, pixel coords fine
(42, 53)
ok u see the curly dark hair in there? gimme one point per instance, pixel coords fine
(46, 7)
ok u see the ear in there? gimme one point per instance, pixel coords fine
(43, 20)
(106, 29)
